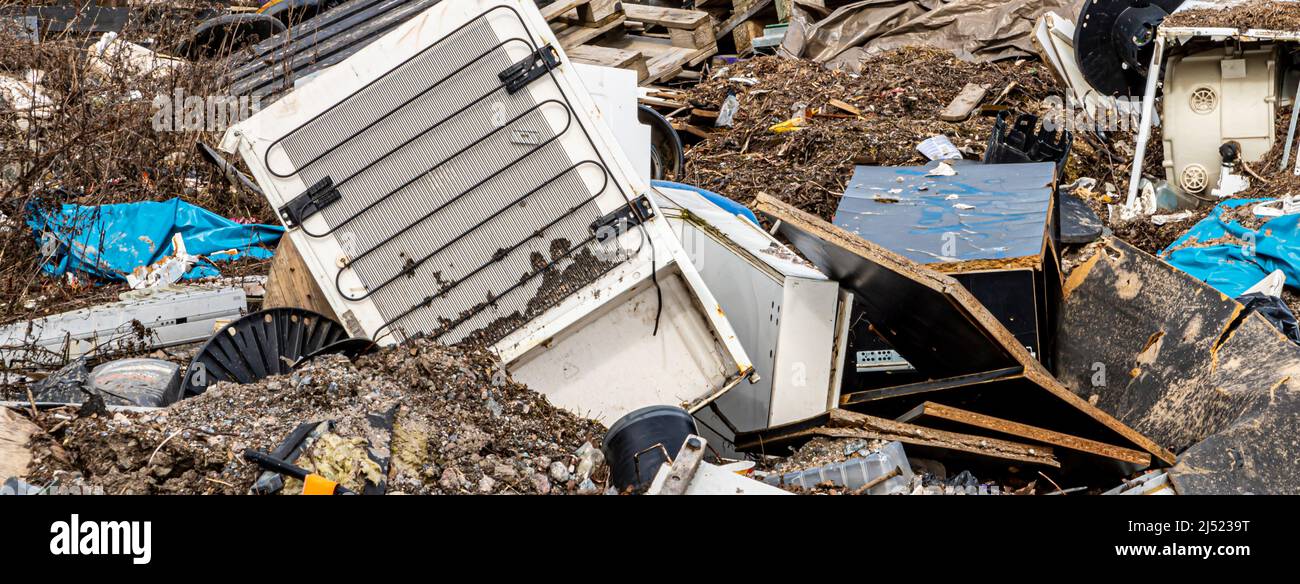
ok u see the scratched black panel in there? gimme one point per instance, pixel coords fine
(270, 68)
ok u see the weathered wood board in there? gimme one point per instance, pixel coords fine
(1179, 361)
(938, 416)
(291, 284)
(839, 423)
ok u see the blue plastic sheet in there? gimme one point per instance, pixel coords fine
(1235, 263)
(984, 211)
(109, 241)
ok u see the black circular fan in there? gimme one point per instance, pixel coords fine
(259, 345)
(1114, 40)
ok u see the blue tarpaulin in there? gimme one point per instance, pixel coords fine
(109, 241)
(1239, 257)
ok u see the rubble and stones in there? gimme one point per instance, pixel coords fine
(446, 438)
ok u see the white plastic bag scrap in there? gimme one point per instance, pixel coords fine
(166, 271)
(109, 52)
(727, 115)
(939, 148)
(25, 96)
(1271, 285)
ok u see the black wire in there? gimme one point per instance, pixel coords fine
(654, 276)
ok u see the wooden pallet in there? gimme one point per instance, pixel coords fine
(612, 57)
(624, 38)
(686, 28)
(580, 10)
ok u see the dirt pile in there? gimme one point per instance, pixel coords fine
(1255, 14)
(899, 96)
(460, 425)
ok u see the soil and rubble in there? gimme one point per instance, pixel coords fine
(462, 426)
(899, 95)
(1252, 14)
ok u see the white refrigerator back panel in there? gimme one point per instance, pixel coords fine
(454, 179)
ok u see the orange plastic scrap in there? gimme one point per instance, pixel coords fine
(318, 485)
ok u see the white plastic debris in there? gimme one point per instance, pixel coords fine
(943, 169)
(1271, 285)
(25, 96)
(110, 52)
(166, 271)
(1229, 183)
(1144, 205)
(939, 148)
(727, 114)
(1283, 206)
(1171, 218)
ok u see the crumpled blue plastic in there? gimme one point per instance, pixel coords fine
(1233, 267)
(109, 241)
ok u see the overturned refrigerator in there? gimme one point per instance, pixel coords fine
(453, 180)
(791, 319)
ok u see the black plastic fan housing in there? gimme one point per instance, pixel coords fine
(1114, 41)
(259, 345)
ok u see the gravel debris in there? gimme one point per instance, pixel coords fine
(447, 436)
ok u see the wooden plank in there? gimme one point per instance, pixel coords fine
(846, 106)
(598, 10)
(291, 284)
(695, 39)
(611, 57)
(573, 36)
(572, 19)
(969, 335)
(663, 59)
(929, 410)
(559, 8)
(741, 16)
(654, 101)
(745, 34)
(844, 424)
(701, 55)
(693, 130)
(666, 17)
(966, 101)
